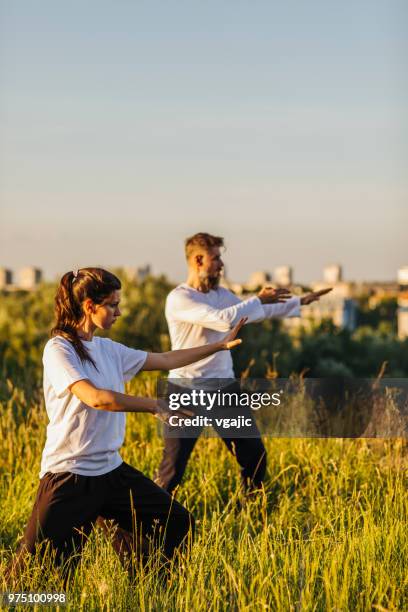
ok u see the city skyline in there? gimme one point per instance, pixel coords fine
(285, 275)
(126, 129)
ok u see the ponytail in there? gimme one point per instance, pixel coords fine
(94, 283)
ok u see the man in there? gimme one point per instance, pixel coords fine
(199, 311)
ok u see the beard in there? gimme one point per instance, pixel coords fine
(211, 281)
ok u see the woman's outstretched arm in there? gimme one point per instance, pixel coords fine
(113, 401)
(177, 359)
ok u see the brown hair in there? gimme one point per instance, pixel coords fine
(203, 240)
(94, 283)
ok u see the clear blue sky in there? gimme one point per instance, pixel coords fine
(127, 125)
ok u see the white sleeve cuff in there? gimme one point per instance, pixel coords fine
(290, 308)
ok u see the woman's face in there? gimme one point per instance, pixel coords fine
(105, 314)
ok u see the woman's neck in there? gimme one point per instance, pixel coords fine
(85, 330)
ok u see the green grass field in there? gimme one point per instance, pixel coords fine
(329, 533)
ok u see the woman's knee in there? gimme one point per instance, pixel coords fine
(253, 454)
(180, 527)
(185, 521)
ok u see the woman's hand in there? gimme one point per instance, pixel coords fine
(163, 412)
(230, 340)
(182, 357)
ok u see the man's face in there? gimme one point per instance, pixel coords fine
(210, 265)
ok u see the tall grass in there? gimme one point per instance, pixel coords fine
(328, 533)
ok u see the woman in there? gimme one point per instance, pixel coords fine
(82, 474)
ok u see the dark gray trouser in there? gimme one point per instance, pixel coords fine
(68, 505)
(250, 452)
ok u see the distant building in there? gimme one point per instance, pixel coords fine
(339, 290)
(341, 311)
(332, 274)
(6, 278)
(403, 303)
(402, 323)
(29, 277)
(402, 277)
(282, 275)
(137, 274)
(349, 315)
(339, 306)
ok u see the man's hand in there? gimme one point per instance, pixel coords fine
(314, 296)
(269, 295)
(163, 412)
(230, 340)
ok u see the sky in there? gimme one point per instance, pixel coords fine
(127, 126)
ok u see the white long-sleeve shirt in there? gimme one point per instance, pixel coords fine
(196, 318)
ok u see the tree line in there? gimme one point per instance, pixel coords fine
(268, 349)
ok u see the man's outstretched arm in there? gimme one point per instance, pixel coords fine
(289, 307)
(181, 306)
(268, 303)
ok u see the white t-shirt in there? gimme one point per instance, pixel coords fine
(196, 318)
(81, 439)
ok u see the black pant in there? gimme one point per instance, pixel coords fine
(68, 505)
(249, 451)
